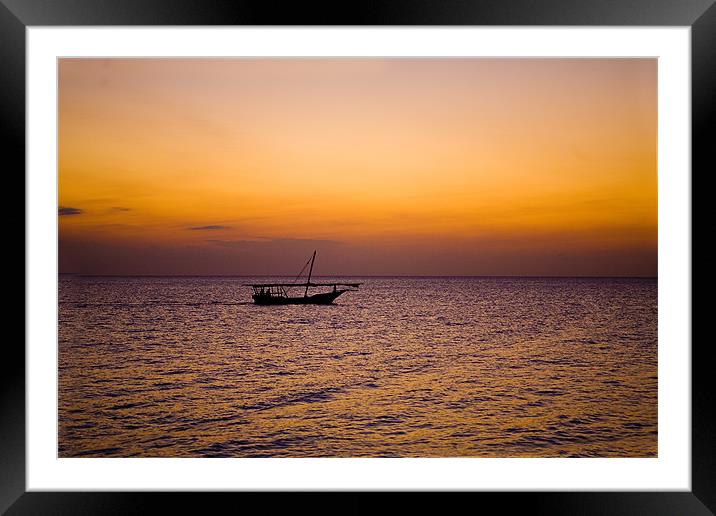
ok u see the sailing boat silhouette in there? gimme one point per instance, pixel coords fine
(277, 293)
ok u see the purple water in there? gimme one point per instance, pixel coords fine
(491, 367)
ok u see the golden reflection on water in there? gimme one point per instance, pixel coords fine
(489, 367)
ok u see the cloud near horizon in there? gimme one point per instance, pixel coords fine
(67, 210)
(215, 227)
(285, 257)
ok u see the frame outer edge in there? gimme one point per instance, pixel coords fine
(703, 118)
(12, 378)
(12, 115)
(386, 12)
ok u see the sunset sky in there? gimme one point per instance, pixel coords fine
(385, 166)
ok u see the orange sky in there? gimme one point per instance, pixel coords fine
(386, 166)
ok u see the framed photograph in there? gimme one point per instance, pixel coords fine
(435, 249)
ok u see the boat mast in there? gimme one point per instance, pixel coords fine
(305, 294)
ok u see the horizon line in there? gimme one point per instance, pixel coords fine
(349, 276)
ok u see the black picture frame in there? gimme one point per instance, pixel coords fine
(17, 15)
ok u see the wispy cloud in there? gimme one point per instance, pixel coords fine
(66, 210)
(264, 242)
(120, 208)
(208, 228)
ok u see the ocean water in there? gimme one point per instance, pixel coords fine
(404, 367)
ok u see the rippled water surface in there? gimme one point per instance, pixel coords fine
(188, 367)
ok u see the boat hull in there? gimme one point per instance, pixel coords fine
(325, 298)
